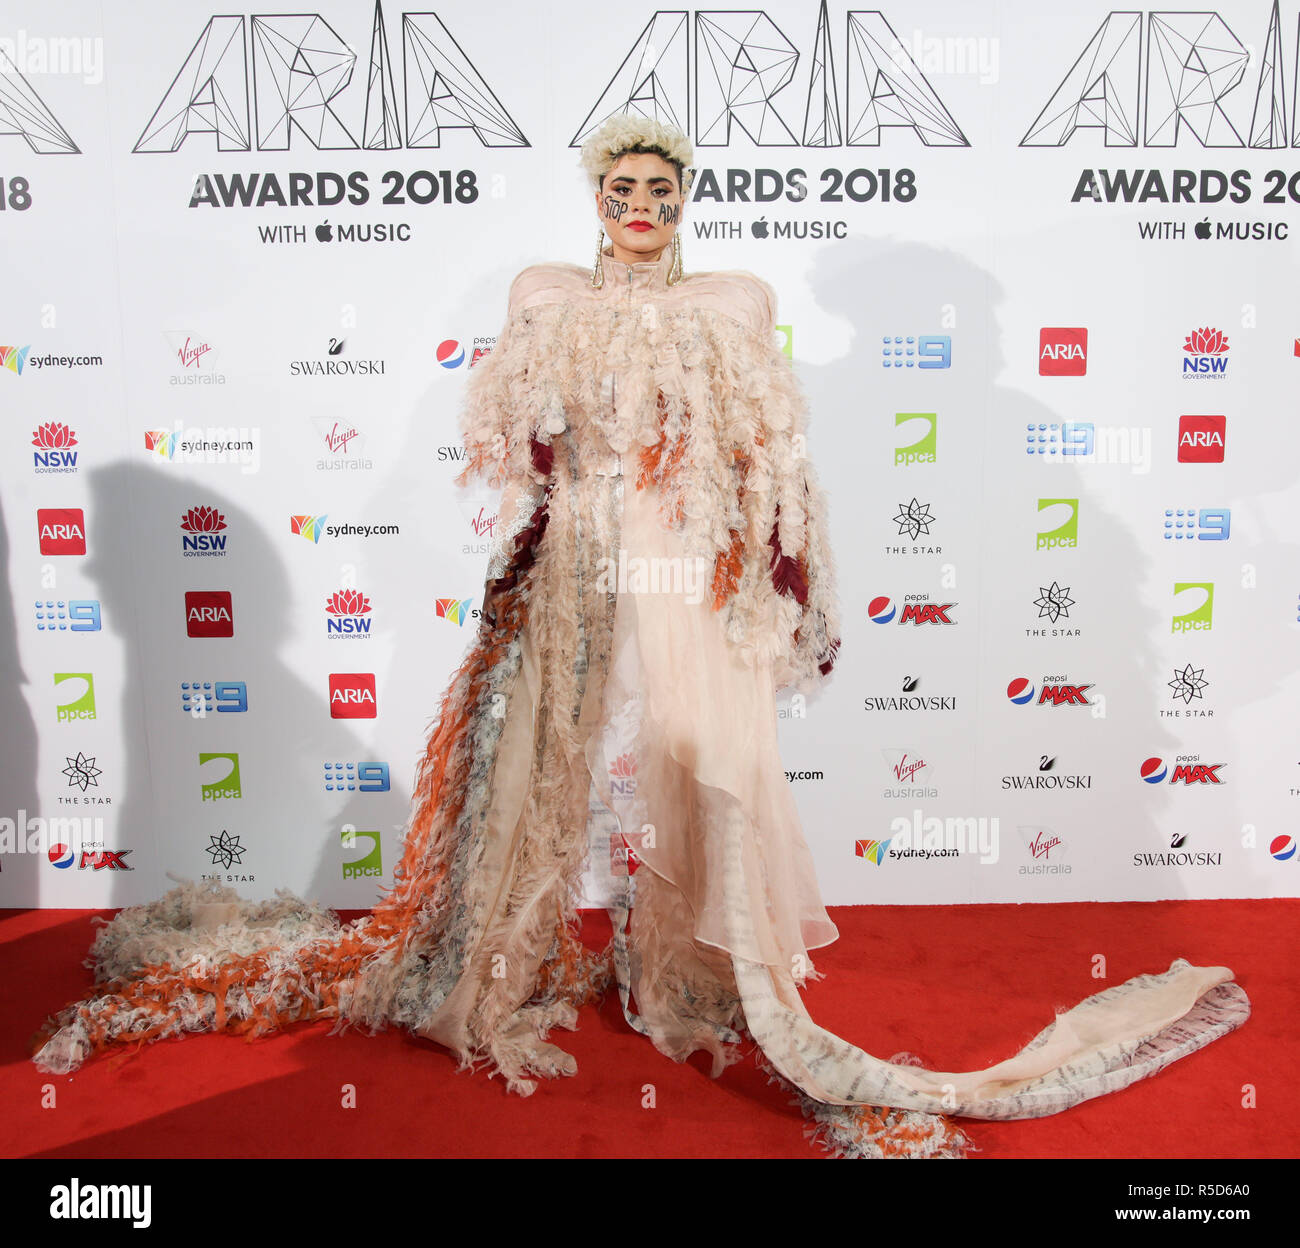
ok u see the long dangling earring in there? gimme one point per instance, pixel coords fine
(598, 272)
(675, 273)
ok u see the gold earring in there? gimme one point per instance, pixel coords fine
(675, 273)
(598, 272)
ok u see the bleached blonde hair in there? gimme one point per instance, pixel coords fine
(623, 133)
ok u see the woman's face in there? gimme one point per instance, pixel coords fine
(640, 206)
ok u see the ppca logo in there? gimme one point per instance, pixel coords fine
(925, 449)
(1066, 534)
(83, 704)
(1200, 618)
(226, 788)
(354, 840)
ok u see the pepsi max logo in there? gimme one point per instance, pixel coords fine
(61, 856)
(881, 611)
(1154, 771)
(1282, 848)
(450, 353)
(1021, 691)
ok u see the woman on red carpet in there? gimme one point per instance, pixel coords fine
(660, 568)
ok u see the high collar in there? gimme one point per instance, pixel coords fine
(650, 275)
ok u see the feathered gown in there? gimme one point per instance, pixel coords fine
(660, 567)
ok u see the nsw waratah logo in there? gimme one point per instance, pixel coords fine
(204, 533)
(54, 442)
(347, 614)
(1205, 355)
(1063, 351)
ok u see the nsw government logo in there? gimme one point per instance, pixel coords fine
(1205, 355)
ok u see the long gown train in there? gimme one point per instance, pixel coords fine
(646, 711)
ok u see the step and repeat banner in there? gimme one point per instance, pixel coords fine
(1037, 272)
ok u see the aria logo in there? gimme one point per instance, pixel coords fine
(1062, 352)
(623, 858)
(1201, 439)
(914, 350)
(204, 533)
(77, 615)
(61, 530)
(1199, 618)
(209, 613)
(54, 441)
(347, 611)
(1205, 355)
(352, 695)
(924, 449)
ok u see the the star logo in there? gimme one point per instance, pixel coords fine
(1054, 602)
(82, 772)
(913, 519)
(225, 850)
(1188, 683)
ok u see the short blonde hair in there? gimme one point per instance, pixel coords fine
(623, 133)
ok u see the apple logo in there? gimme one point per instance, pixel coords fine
(759, 228)
(1203, 228)
(325, 232)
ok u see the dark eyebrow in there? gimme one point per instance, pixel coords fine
(623, 177)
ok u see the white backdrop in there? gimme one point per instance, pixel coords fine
(249, 259)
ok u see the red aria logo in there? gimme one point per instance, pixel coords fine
(53, 436)
(1205, 342)
(347, 602)
(203, 520)
(209, 613)
(1201, 439)
(1063, 351)
(62, 530)
(352, 695)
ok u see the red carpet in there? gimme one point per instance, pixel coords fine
(961, 986)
